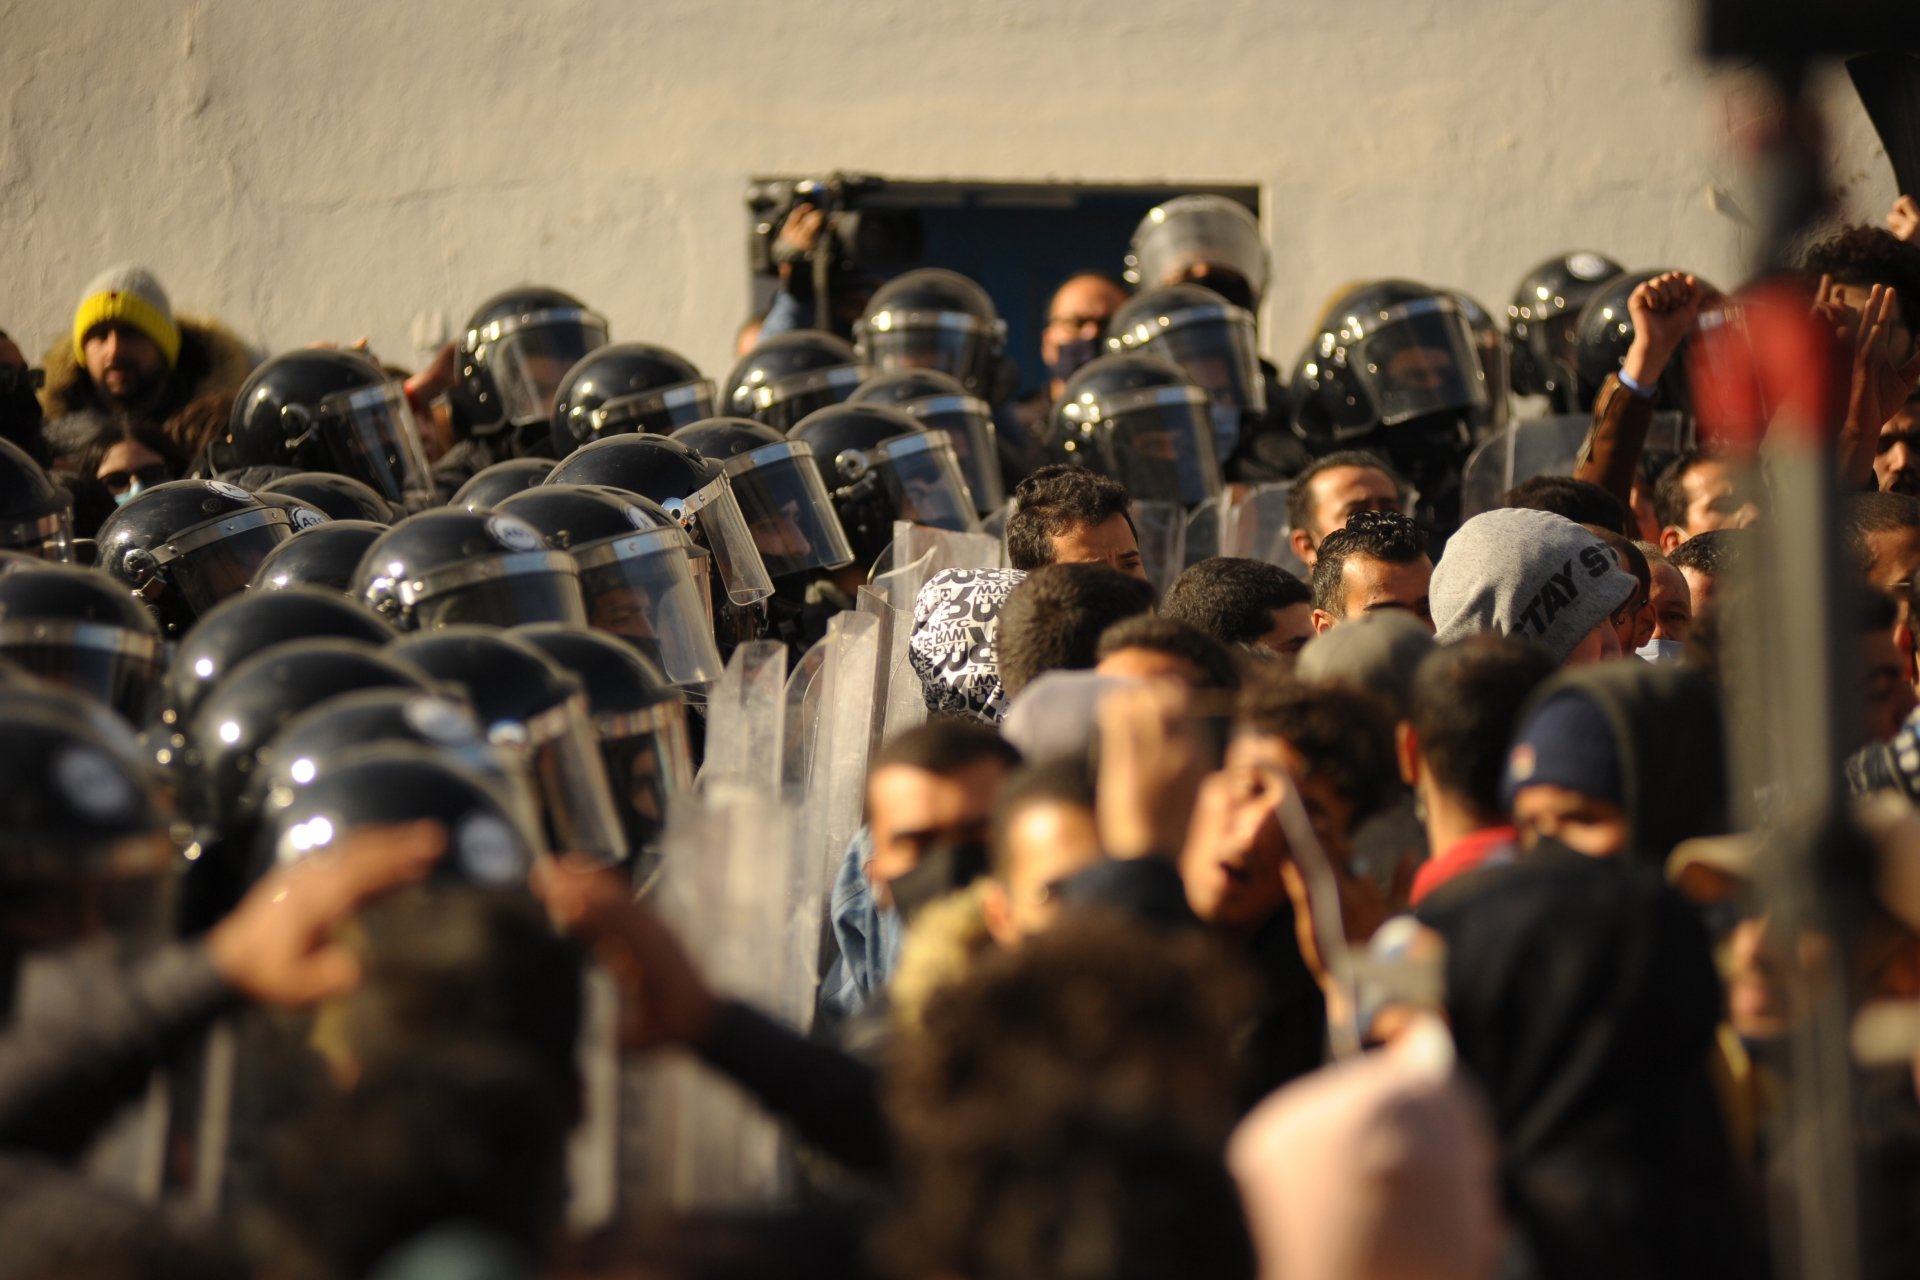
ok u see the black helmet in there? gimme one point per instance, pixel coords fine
(301, 515)
(1387, 353)
(780, 491)
(254, 479)
(85, 832)
(627, 387)
(234, 723)
(81, 629)
(1211, 340)
(185, 546)
(1605, 331)
(939, 403)
(36, 515)
(640, 718)
(1541, 323)
(321, 410)
(490, 486)
(249, 625)
(530, 704)
(1490, 348)
(518, 346)
(336, 496)
(1209, 239)
(689, 488)
(880, 465)
(444, 567)
(642, 577)
(1138, 420)
(489, 845)
(324, 556)
(790, 375)
(933, 319)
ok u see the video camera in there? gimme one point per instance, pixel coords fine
(868, 236)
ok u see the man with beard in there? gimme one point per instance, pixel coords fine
(129, 358)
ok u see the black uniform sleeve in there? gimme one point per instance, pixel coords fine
(61, 1082)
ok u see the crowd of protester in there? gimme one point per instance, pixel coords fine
(1265, 854)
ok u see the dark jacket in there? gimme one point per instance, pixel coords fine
(1610, 457)
(212, 359)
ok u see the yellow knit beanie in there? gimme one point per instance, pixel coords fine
(130, 295)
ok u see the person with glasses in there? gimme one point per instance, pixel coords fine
(125, 459)
(1074, 333)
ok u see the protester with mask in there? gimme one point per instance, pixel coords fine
(128, 356)
(1670, 602)
(125, 459)
(1074, 333)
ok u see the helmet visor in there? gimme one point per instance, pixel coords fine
(956, 344)
(714, 519)
(649, 764)
(56, 891)
(115, 667)
(923, 478)
(1217, 350)
(564, 751)
(1159, 444)
(968, 423)
(213, 561)
(529, 357)
(370, 435)
(1182, 234)
(781, 405)
(788, 510)
(643, 589)
(658, 412)
(1418, 358)
(49, 536)
(502, 591)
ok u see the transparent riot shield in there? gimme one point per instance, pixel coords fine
(802, 727)
(1256, 526)
(1161, 528)
(951, 550)
(851, 722)
(902, 702)
(1549, 447)
(744, 737)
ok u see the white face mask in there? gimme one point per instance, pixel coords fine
(1662, 650)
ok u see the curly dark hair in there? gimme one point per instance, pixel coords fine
(1344, 734)
(1054, 500)
(1232, 599)
(1300, 492)
(1869, 255)
(1377, 535)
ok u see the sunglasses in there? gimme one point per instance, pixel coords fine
(148, 476)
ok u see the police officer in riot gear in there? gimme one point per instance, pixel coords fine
(628, 387)
(694, 492)
(493, 485)
(36, 515)
(1394, 370)
(1201, 239)
(184, 546)
(881, 465)
(325, 556)
(80, 629)
(1141, 421)
(787, 377)
(336, 496)
(1541, 324)
(443, 567)
(940, 403)
(932, 318)
(640, 574)
(517, 349)
(324, 410)
(1214, 344)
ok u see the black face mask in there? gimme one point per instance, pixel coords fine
(943, 870)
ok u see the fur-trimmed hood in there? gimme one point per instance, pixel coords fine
(212, 358)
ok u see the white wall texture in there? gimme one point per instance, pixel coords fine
(348, 167)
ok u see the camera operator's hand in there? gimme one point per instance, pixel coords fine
(1663, 310)
(277, 946)
(663, 997)
(1904, 220)
(798, 234)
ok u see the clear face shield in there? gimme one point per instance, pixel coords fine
(54, 894)
(657, 412)
(212, 561)
(781, 405)
(371, 435)
(1158, 442)
(923, 476)
(713, 518)
(788, 509)
(953, 342)
(115, 667)
(528, 356)
(562, 748)
(1181, 234)
(968, 423)
(644, 589)
(1418, 358)
(498, 591)
(649, 764)
(50, 537)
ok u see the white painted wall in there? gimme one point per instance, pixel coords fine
(346, 167)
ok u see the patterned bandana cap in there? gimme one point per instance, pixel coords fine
(956, 617)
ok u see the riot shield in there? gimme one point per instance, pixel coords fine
(902, 704)
(1249, 522)
(744, 734)
(850, 725)
(1548, 447)
(1161, 528)
(951, 550)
